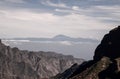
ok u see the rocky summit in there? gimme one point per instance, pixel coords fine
(23, 64)
(105, 63)
(110, 45)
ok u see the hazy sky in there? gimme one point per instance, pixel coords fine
(47, 18)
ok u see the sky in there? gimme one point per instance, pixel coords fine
(47, 18)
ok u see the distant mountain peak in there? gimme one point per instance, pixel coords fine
(61, 36)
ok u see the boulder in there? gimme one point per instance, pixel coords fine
(110, 45)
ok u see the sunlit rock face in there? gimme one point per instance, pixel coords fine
(17, 64)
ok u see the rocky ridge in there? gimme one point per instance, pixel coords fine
(23, 64)
(106, 62)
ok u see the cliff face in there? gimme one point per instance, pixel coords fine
(110, 45)
(106, 62)
(16, 64)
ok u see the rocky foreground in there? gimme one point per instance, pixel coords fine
(17, 64)
(106, 62)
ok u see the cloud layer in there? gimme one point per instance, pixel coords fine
(46, 18)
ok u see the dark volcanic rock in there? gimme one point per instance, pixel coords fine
(106, 63)
(102, 69)
(110, 45)
(67, 73)
(93, 71)
(17, 64)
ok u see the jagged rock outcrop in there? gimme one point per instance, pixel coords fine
(106, 62)
(110, 45)
(17, 64)
(103, 69)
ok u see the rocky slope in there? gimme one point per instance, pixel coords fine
(106, 62)
(17, 64)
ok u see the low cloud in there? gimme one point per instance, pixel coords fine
(66, 43)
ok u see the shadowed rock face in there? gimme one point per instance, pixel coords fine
(110, 45)
(106, 62)
(17, 64)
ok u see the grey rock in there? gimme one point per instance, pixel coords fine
(23, 64)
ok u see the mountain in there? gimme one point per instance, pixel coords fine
(106, 62)
(23, 64)
(57, 38)
(67, 38)
(61, 37)
(59, 43)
